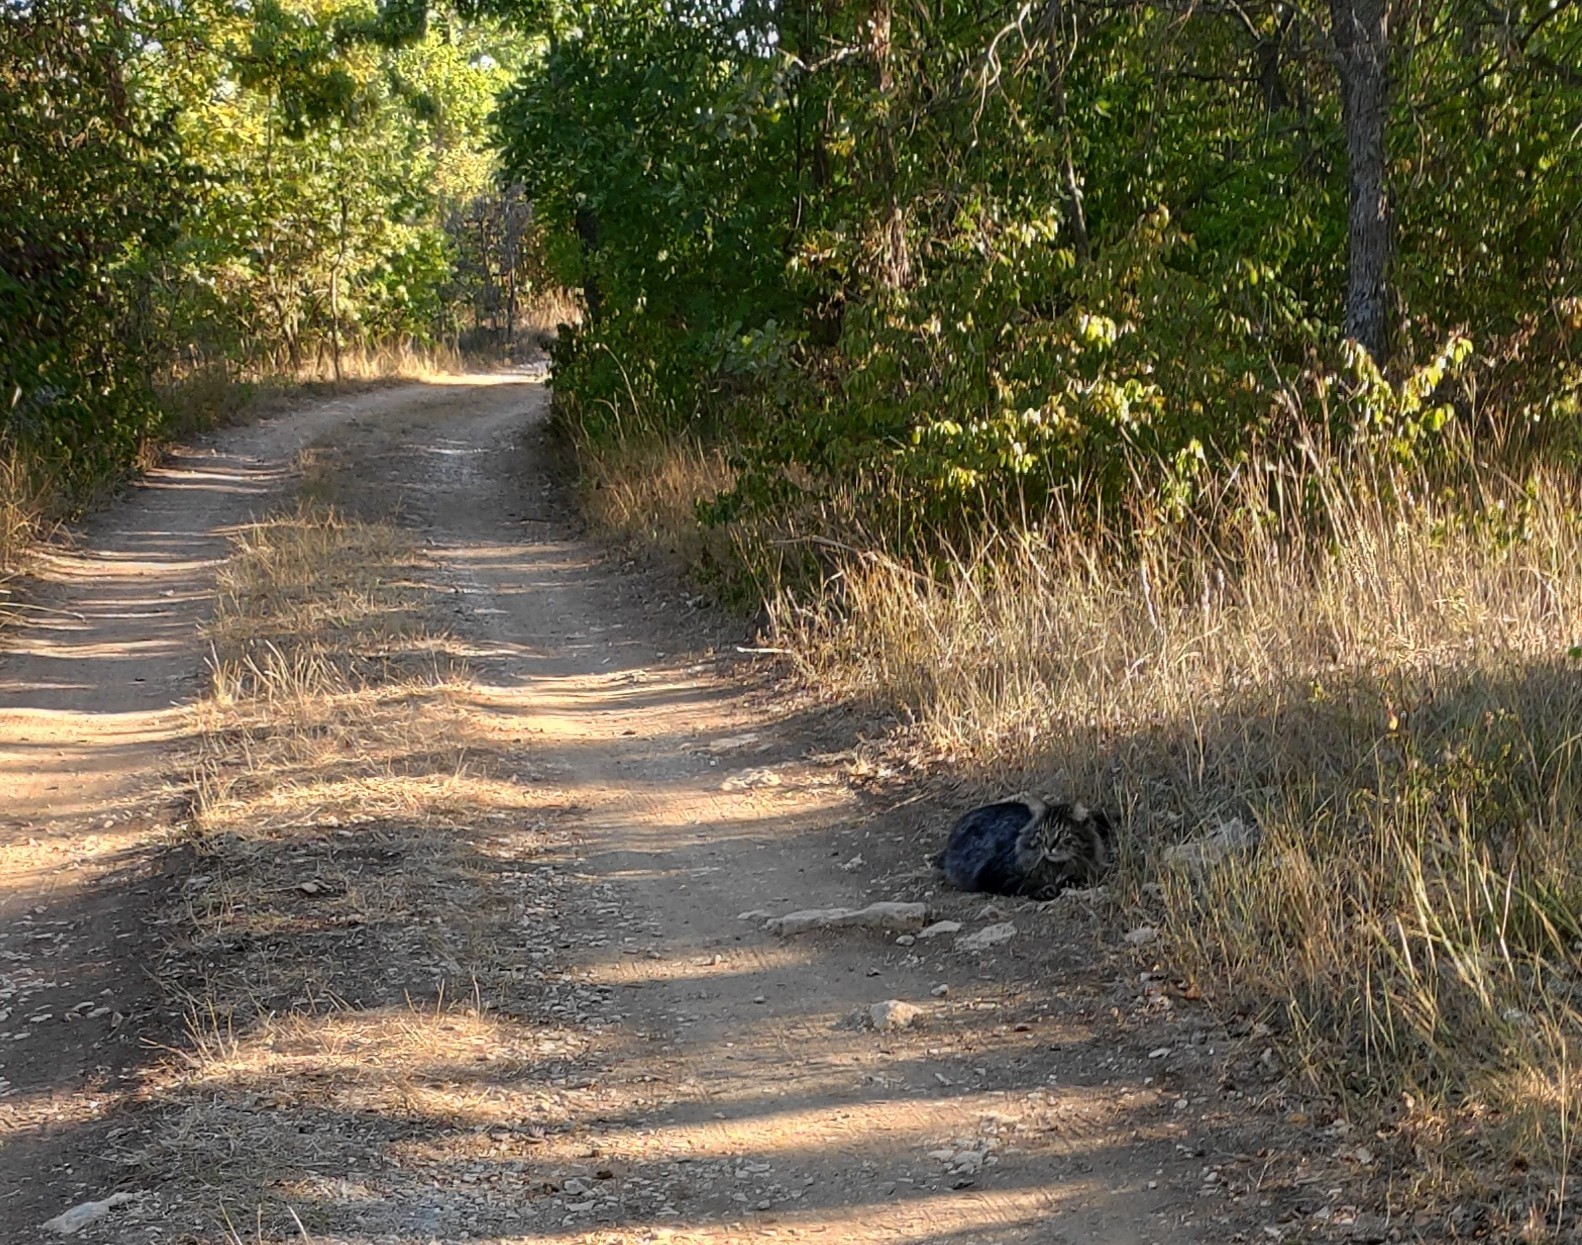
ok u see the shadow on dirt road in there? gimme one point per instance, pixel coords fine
(565, 1026)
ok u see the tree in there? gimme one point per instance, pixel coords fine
(92, 191)
(1360, 29)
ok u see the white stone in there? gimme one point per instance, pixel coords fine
(68, 1223)
(893, 1014)
(1212, 847)
(899, 918)
(940, 927)
(988, 936)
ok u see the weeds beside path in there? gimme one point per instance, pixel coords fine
(96, 689)
(458, 943)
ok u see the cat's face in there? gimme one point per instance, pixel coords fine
(1076, 837)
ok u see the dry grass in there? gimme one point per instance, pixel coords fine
(198, 393)
(645, 495)
(1378, 672)
(346, 799)
(23, 506)
(397, 361)
(338, 761)
(549, 309)
(1384, 680)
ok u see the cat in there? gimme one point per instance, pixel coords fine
(1023, 846)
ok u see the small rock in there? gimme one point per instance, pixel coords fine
(732, 742)
(940, 991)
(1141, 936)
(897, 918)
(1369, 1229)
(942, 1156)
(893, 1014)
(855, 863)
(1212, 848)
(757, 914)
(967, 1162)
(762, 777)
(1161, 1052)
(70, 1222)
(906, 940)
(940, 927)
(988, 936)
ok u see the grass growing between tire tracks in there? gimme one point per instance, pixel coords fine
(39, 489)
(351, 941)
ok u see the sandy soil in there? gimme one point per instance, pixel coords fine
(647, 1062)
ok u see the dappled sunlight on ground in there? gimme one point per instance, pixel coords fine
(469, 943)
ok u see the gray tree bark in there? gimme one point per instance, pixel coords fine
(895, 261)
(1360, 29)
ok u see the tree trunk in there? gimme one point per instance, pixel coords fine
(1361, 34)
(1055, 75)
(587, 225)
(895, 261)
(335, 323)
(335, 289)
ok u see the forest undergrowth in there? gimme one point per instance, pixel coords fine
(1375, 669)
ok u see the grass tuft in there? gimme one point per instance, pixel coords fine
(23, 513)
(1378, 671)
(1382, 679)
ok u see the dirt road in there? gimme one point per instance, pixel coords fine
(634, 1057)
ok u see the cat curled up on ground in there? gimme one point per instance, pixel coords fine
(1026, 847)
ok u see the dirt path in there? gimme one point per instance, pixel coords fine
(96, 695)
(646, 1062)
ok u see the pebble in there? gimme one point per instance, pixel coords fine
(988, 936)
(898, 918)
(940, 927)
(893, 1014)
(69, 1222)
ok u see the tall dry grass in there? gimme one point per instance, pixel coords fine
(644, 494)
(198, 393)
(23, 507)
(1378, 670)
(403, 360)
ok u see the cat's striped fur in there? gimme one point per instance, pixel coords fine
(1024, 846)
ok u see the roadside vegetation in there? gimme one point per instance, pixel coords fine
(1180, 407)
(202, 205)
(1177, 409)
